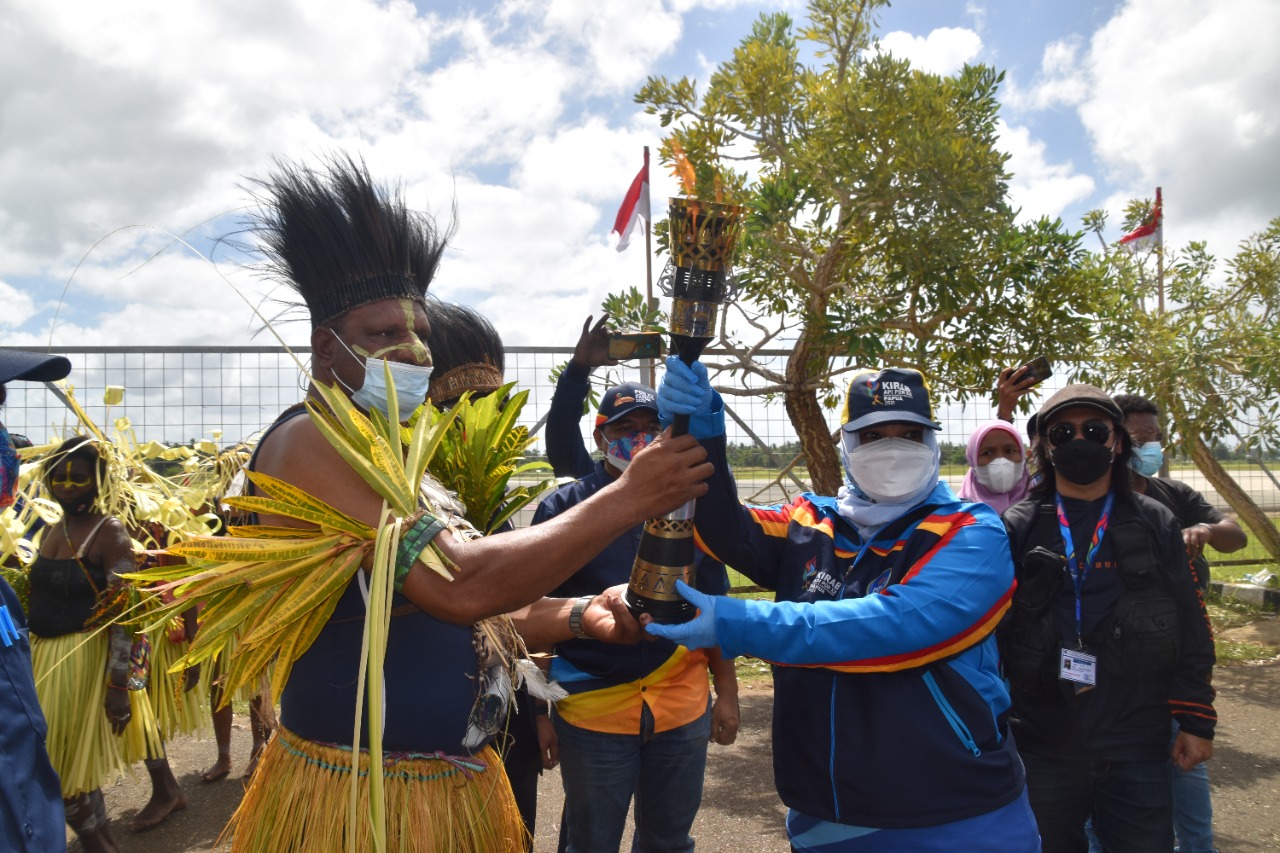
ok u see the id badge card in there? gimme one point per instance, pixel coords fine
(1080, 667)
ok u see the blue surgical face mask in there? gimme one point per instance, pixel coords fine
(1147, 458)
(411, 380)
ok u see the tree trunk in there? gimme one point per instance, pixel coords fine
(809, 421)
(1248, 511)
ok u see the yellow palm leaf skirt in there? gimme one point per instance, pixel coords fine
(71, 683)
(178, 712)
(298, 802)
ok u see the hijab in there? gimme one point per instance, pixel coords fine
(972, 490)
(868, 515)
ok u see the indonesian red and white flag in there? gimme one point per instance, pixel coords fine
(634, 207)
(1149, 234)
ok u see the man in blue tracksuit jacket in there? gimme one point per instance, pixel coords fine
(890, 716)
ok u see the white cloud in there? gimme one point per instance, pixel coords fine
(944, 51)
(135, 113)
(1183, 95)
(978, 12)
(1061, 81)
(1038, 187)
(621, 40)
(18, 307)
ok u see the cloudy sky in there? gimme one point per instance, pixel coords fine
(122, 123)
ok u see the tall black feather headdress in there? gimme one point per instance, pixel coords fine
(341, 241)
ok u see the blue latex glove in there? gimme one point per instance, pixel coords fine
(697, 633)
(685, 390)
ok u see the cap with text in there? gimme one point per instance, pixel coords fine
(624, 398)
(894, 394)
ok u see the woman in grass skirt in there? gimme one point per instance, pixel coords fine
(90, 679)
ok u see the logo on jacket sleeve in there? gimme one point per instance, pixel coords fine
(810, 569)
(818, 583)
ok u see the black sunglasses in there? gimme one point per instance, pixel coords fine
(1095, 431)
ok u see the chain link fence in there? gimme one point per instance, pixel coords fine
(179, 395)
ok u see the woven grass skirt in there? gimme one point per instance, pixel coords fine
(298, 801)
(177, 712)
(71, 683)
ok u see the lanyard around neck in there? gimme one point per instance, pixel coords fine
(1079, 573)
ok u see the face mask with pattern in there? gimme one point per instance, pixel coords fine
(620, 451)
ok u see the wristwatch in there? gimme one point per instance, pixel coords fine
(575, 616)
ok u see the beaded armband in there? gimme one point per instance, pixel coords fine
(414, 541)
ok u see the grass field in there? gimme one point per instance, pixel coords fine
(1253, 552)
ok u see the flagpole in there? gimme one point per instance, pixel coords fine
(1160, 250)
(648, 266)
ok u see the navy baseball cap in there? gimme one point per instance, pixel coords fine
(884, 396)
(620, 399)
(32, 366)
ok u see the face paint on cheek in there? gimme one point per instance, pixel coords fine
(66, 482)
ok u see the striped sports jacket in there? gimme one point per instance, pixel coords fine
(889, 709)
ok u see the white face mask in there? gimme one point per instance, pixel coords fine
(891, 469)
(411, 380)
(999, 475)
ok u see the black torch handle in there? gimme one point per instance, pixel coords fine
(689, 349)
(666, 551)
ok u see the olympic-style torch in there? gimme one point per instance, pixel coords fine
(702, 238)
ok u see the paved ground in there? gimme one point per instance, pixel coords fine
(740, 811)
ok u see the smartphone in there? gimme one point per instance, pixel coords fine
(1038, 369)
(635, 345)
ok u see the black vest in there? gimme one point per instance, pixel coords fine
(1141, 635)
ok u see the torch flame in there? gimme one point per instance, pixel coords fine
(682, 169)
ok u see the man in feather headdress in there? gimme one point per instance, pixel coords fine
(361, 261)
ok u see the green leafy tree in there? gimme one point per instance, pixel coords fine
(878, 228)
(1207, 350)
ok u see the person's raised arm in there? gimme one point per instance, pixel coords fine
(726, 529)
(1012, 385)
(604, 617)
(592, 349)
(497, 574)
(566, 452)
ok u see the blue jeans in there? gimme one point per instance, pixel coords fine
(601, 771)
(1192, 808)
(1131, 803)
